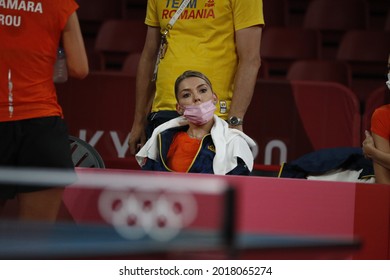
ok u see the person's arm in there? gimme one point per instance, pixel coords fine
(378, 149)
(248, 42)
(145, 88)
(76, 56)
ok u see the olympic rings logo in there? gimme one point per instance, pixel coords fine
(136, 214)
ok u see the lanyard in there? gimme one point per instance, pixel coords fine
(164, 43)
(176, 15)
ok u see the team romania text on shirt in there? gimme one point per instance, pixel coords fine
(27, 59)
(202, 39)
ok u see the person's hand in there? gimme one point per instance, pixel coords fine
(368, 144)
(137, 138)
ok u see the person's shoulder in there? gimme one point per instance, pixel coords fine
(385, 107)
(383, 110)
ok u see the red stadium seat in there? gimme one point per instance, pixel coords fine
(92, 13)
(366, 46)
(334, 18)
(134, 9)
(378, 12)
(118, 38)
(130, 64)
(290, 119)
(282, 45)
(296, 11)
(366, 51)
(320, 70)
(275, 12)
(336, 15)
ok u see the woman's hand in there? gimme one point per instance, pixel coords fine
(368, 145)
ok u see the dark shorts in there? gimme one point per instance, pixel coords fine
(38, 143)
(157, 118)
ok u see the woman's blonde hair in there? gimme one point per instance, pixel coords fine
(189, 74)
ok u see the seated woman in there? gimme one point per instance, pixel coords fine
(377, 145)
(198, 141)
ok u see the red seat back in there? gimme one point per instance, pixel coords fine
(321, 70)
(282, 45)
(118, 38)
(290, 119)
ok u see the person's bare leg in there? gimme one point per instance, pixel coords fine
(40, 205)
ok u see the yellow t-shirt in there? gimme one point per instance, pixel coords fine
(202, 39)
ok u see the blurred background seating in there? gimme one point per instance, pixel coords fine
(288, 119)
(276, 12)
(387, 23)
(366, 51)
(281, 46)
(130, 64)
(333, 18)
(321, 70)
(118, 38)
(134, 9)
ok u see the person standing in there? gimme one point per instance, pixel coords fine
(32, 129)
(218, 38)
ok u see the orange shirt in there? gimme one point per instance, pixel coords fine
(380, 121)
(30, 32)
(182, 152)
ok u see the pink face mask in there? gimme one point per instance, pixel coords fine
(200, 114)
